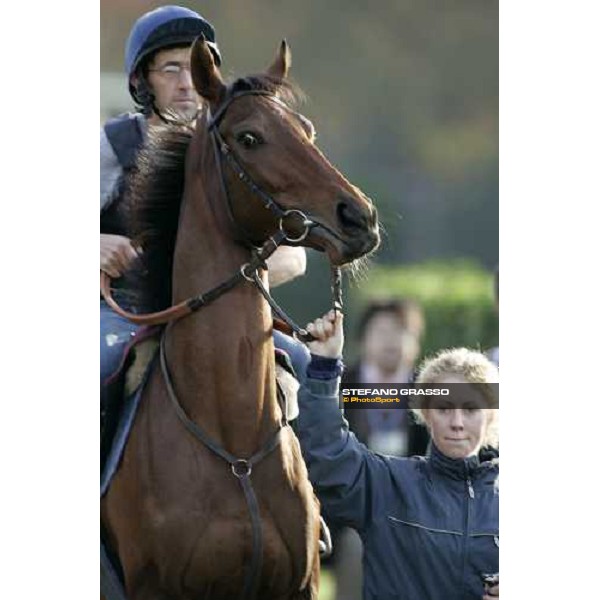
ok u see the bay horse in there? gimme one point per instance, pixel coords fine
(182, 520)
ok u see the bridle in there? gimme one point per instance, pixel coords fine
(249, 271)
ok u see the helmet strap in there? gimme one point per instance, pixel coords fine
(144, 96)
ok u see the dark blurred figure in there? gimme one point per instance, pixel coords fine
(390, 335)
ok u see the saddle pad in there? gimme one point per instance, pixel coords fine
(143, 334)
(126, 419)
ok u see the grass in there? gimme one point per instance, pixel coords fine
(327, 588)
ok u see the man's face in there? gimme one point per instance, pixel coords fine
(170, 80)
(457, 432)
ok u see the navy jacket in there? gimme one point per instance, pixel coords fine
(429, 526)
(125, 134)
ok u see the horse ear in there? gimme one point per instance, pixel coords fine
(280, 67)
(205, 73)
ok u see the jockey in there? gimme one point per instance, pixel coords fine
(157, 62)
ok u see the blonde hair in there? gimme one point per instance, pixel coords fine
(474, 367)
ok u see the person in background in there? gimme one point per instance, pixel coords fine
(390, 333)
(429, 524)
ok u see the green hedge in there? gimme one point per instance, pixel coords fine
(456, 295)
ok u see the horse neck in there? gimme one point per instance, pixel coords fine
(221, 357)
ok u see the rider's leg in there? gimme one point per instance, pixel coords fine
(115, 333)
(297, 351)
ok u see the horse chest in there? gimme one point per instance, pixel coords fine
(213, 555)
(201, 532)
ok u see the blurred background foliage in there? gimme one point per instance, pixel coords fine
(456, 295)
(404, 96)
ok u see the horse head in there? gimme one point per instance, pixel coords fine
(268, 157)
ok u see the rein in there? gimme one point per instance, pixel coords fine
(248, 271)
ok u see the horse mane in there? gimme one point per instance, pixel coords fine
(155, 189)
(286, 90)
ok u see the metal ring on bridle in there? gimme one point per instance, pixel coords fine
(241, 468)
(305, 221)
(244, 274)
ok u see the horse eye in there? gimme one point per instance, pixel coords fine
(249, 140)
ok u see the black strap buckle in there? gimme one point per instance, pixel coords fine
(241, 468)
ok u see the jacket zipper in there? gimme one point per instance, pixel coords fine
(470, 496)
(470, 488)
(419, 526)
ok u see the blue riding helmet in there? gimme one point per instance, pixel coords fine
(163, 27)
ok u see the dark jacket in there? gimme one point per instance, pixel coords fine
(125, 134)
(429, 526)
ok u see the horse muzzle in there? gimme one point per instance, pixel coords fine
(358, 226)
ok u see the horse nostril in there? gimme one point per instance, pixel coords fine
(350, 216)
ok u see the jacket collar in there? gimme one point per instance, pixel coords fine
(455, 468)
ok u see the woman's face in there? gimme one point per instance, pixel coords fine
(387, 344)
(457, 432)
